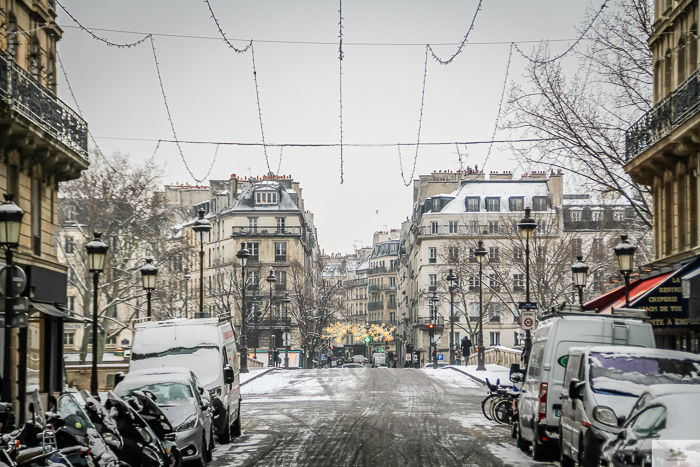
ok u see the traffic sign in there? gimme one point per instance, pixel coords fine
(408, 357)
(415, 357)
(18, 304)
(323, 356)
(527, 305)
(19, 280)
(286, 337)
(528, 320)
(441, 357)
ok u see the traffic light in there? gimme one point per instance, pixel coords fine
(386, 339)
(381, 350)
(367, 339)
(431, 326)
(331, 347)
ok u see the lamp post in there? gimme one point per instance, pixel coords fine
(201, 225)
(187, 288)
(286, 301)
(527, 226)
(96, 250)
(480, 254)
(433, 321)
(148, 279)
(452, 281)
(625, 258)
(271, 279)
(243, 254)
(10, 227)
(579, 270)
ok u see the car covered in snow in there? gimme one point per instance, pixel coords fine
(670, 417)
(603, 384)
(184, 401)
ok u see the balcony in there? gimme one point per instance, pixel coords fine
(391, 306)
(379, 288)
(375, 306)
(381, 270)
(280, 258)
(670, 113)
(26, 96)
(266, 231)
(424, 321)
(461, 230)
(274, 322)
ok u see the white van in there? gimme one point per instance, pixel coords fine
(540, 404)
(207, 346)
(378, 359)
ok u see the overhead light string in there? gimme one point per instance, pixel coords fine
(101, 39)
(218, 26)
(340, 61)
(461, 45)
(257, 98)
(500, 106)
(420, 124)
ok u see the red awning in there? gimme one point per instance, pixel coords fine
(616, 298)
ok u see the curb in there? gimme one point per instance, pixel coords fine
(483, 383)
(262, 373)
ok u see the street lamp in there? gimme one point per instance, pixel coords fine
(271, 279)
(527, 226)
(433, 321)
(201, 225)
(480, 254)
(452, 281)
(96, 250)
(580, 272)
(148, 279)
(10, 227)
(625, 258)
(286, 300)
(243, 254)
(187, 288)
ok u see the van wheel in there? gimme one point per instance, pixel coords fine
(225, 437)
(566, 461)
(519, 441)
(236, 427)
(538, 451)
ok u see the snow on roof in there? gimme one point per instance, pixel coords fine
(596, 202)
(246, 199)
(612, 351)
(503, 189)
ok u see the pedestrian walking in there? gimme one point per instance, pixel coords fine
(458, 356)
(466, 349)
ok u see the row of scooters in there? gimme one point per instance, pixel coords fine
(81, 431)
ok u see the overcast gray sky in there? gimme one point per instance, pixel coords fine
(211, 92)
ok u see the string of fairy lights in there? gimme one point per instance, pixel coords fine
(264, 144)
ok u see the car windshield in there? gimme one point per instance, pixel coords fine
(165, 392)
(607, 369)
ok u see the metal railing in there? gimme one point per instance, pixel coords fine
(265, 230)
(391, 306)
(671, 112)
(462, 229)
(424, 321)
(498, 356)
(374, 306)
(379, 288)
(381, 270)
(23, 93)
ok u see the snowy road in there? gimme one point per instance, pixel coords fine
(367, 417)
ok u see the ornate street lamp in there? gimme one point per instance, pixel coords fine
(579, 270)
(201, 225)
(271, 279)
(286, 300)
(527, 226)
(452, 287)
(625, 258)
(243, 254)
(480, 254)
(148, 279)
(10, 227)
(96, 251)
(433, 321)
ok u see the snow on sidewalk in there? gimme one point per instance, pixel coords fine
(493, 373)
(254, 373)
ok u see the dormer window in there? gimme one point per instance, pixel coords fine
(265, 197)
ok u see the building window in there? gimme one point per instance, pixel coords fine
(432, 310)
(432, 255)
(539, 203)
(265, 197)
(575, 216)
(518, 282)
(494, 338)
(493, 227)
(70, 245)
(474, 227)
(493, 204)
(432, 281)
(493, 254)
(280, 224)
(433, 227)
(281, 283)
(452, 254)
(618, 215)
(453, 226)
(112, 339)
(597, 215)
(517, 253)
(473, 311)
(597, 246)
(494, 283)
(254, 249)
(392, 282)
(281, 251)
(253, 224)
(542, 227)
(517, 203)
(578, 246)
(71, 303)
(68, 338)
(71, 276)
(473, 282)
(472, 204)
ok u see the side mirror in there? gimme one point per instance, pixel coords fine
(517, 377)
(228, 375)
(515, 368)
(575, 388)
(118, 378)
(205, 404)
(201, 390)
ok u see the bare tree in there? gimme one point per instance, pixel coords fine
(581, 120)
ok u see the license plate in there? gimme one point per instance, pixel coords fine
(557, 413)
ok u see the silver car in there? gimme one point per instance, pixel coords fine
(184, 401)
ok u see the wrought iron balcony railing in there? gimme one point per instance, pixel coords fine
(378, 288)
(23, 93)
(674, 110)
(374, 306)
(266, 231)
(425, 321)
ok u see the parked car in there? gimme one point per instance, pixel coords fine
(352, 365)
(184, 401)
(668, 417)
(601, 386)
(540, 406)
(205, 346)
(359, 359)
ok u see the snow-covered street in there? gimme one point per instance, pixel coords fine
(364, 417)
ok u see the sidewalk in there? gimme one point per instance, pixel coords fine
(255, 373)
(493, 373)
